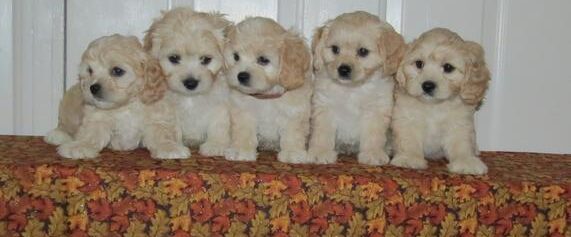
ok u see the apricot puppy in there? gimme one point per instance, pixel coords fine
(355, 58)
(442, 80)
(270, 79)
(117, 103)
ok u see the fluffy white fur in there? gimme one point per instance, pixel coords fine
(189, 45)
(439, 123)
(269, 111)
(351, 113)
(124, 112)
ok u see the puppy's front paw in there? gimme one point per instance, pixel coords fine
(57, 137)
(240, 155)
(293, 156)
(212, 149)
(409, 162)
(472, 165)
(319, 156)
(77, 150)
(171, 151)
(373, 158)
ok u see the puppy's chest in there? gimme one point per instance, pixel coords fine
(195, 114)
(127, 128)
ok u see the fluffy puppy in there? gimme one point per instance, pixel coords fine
(355, 58)
(117, 103)
(188, 45)
(270, 79)
(442, 80)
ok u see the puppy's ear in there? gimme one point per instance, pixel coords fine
(392, 48)
(294, 62)
(316, 47)
(474, 88)
(400, 77)
(155, 82)
(151, 43)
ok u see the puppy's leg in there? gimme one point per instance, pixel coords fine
(244, 137)
(460, 147)
(408, 147)
(373, 138)
(322, 141)
(57, 137)
(164, 141)
(292, 140)
(91, 138)
(217, 134)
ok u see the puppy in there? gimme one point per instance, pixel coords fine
(188, 45)
(270, 79)
(442, 80)
(117, 103)
(355, 58)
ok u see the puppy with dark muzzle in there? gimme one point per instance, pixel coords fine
(270, 78)
(188, 45)
(442, 80)
(117, 103)
(355, 58)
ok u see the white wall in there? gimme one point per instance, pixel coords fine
(526, 44)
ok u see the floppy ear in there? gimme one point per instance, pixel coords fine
(155, 82)
(294, 62)
(400, 77)
(474, 88)
(151, 43)
(392, 49)
(316, 47)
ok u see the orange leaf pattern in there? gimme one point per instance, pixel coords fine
(123, 193)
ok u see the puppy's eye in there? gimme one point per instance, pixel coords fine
(335, 49)
(117, 72)
(448, 68)
(90, 71)
(263, 61)
(236, 57)
(174, 59)
(205, 60)
(419, 64)
(363, 52)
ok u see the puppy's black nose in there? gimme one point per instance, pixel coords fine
(344, 71)
(190, 83)
(428, 86)
(95, 89)
(244, 78)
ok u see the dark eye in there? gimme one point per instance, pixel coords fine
(263, 60)
(335, 49)
(90, 71)
(448, 68)
(174, 59)
(236, 57)
(363, 52)
(205, 60)
(117, 72)
(419, 64)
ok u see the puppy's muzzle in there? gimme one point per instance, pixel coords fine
(244, 78)
(190, 83)
(344, 71)
(428, 87)
(95, 90)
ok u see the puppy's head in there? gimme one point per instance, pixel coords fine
(264, 59)
(353, 46)
(188, 45)
(115, 69)
(441, 65)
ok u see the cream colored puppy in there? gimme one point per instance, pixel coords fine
(188, 45)
(355, 58)
(117, 103)
(270, 79)
(442, 80)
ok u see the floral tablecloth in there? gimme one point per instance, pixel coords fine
(130, 194)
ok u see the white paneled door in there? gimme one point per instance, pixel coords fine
(527, 43)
